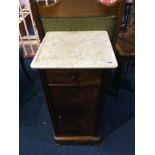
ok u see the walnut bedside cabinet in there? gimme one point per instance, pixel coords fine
(71, 66)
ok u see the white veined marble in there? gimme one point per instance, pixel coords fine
(75, 49)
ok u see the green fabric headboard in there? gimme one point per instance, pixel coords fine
(78, 23)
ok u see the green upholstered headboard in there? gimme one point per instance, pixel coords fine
(78, 23)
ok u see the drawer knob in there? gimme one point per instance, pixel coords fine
(60, 117)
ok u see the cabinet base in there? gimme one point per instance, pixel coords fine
(77, 140)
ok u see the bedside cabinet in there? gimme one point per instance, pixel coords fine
(71, 66)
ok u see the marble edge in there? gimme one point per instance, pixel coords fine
(32, 65)
(52, 67)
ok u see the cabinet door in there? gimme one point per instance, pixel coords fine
(76, 109)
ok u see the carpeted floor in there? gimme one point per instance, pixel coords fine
(36, 129)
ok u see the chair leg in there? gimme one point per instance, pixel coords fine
(132, 70)
(127, 16)
(22, 63)
(21, 59)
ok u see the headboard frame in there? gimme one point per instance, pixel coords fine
(78, 8)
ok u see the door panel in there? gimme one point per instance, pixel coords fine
(76, 109)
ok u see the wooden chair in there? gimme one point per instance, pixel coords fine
(78, 15)
(125, 52)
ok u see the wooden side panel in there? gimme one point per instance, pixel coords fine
(36, 15)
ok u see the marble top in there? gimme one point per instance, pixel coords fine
(75, 49)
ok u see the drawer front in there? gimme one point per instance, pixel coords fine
(73, 77)
(61, 77)
(89, 77)
(76, 110)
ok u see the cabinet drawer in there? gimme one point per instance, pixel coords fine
(61, 77)
(89, 77)
(73, 77)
